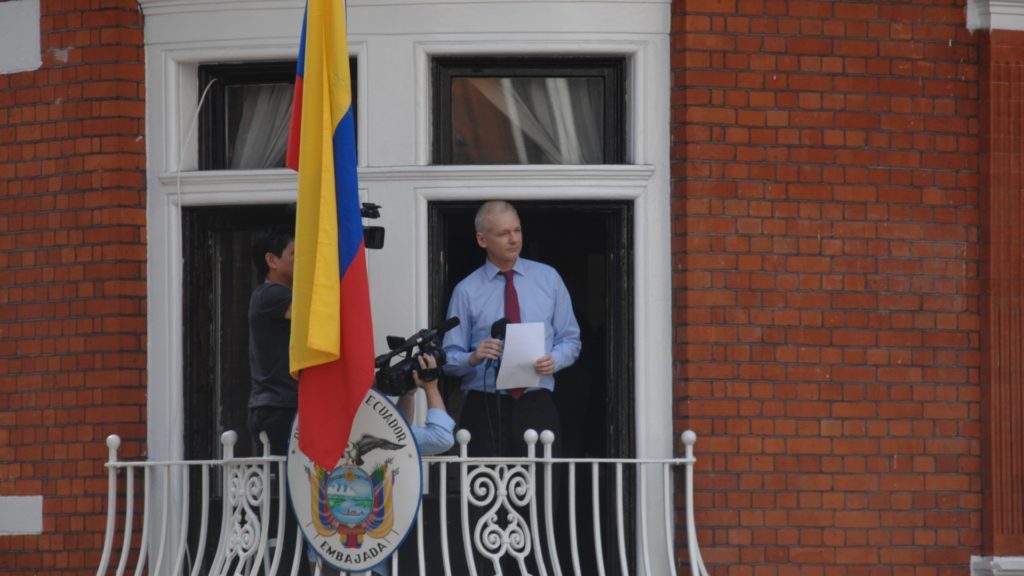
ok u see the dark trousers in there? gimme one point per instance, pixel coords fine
(496, 423)
(277, 423)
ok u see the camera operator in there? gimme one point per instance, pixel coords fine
(437, 434)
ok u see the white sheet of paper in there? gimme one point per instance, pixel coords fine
(524, 344)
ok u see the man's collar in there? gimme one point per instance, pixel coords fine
(493, 270)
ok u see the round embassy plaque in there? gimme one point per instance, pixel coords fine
(356, 514)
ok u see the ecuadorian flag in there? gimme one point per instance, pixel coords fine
(332, 335)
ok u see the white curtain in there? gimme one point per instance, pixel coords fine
(262, 138)
(560, 117)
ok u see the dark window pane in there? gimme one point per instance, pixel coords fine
(258, 117)
(527, 120)
(245, 119)
(528, 111)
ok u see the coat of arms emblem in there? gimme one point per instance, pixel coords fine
(356, 514)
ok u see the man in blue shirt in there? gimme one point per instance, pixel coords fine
(520, 290)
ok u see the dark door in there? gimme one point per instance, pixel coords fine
(219, 276)
(590, 244)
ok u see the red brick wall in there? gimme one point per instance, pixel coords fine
(72, 276)
(826, 295)
(1002, 275)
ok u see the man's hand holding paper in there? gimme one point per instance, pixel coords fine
(545, 365)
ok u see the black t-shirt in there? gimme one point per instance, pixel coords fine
(269, 333)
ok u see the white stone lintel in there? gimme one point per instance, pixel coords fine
(19, 36)
(997, 565)
(21, 515)
(995, 15)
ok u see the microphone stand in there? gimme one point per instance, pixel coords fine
(497, 331)
(496, 434)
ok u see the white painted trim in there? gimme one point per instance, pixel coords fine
(995, 15)
(165, 7)
(220, 187)
(21, 515)
(997, 565)
(608, 172)
(20, 48)
(211, 180)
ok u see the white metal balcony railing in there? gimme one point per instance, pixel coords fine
(489, 485)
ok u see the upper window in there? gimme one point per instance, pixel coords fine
(245, 121)
(529, 110)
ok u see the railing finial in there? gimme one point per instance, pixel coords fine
(689, 438)
(265, 443)
(463, 437)
(547, 437)
(228, 439)
(113, 443)
(530, 436)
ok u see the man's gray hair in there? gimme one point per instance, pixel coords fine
(488, 208)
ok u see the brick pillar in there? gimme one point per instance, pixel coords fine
(1002, 224)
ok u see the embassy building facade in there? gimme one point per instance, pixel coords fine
(791, 226)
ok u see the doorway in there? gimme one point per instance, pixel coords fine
(219, 276)
(590, 244)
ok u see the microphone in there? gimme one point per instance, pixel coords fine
(498, 328)
(497, 331)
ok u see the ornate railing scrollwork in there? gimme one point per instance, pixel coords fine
(501, 529)
(245, 493)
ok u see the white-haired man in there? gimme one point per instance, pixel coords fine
(519, 290)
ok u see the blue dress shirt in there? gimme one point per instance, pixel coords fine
(479, 300)
(437, 433)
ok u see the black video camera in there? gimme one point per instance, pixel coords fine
(396, 379)
(373, 236)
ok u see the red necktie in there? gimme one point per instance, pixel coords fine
(511, 297)
(512, 314)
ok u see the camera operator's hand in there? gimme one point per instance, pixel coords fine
(427, 362)
(489, 348)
